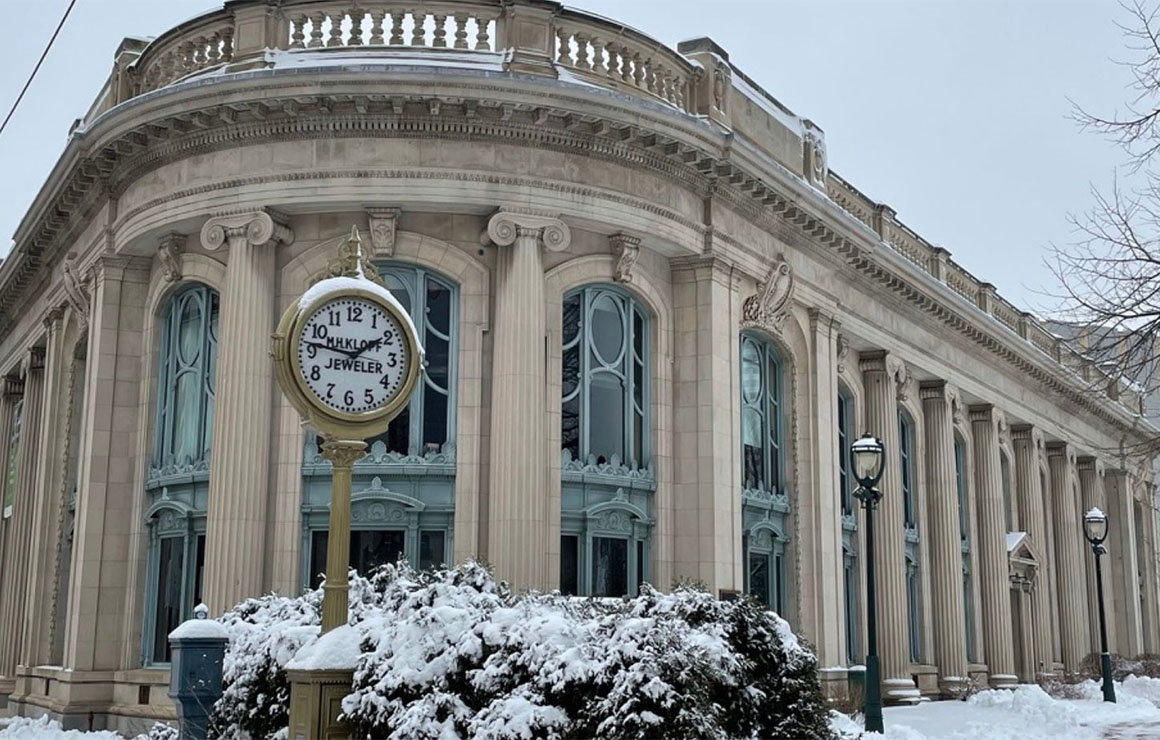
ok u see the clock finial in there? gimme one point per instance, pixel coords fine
(350, 262)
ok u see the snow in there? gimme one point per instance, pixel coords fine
(199, 629)
(1026, 713)
(1095, 514)
(358, 59)
(1013, 539)
(336, 650)
(43, 728)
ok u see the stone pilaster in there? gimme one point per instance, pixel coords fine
(1073, 619)
(1091, 491)
(239, 468)
(943, 539)
(880, 374)
(820, 529)
(994, 589)
(1029, 501)
(1146, 559)
(98, 628)
(518, 506)
(22, 539)
(1123, 566)
(47, 500)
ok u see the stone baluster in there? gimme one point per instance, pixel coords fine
(20, 540)
(944, 540)
(239, 458)
(994, 590)
(1029, 499)
(1091, 490)
(881, 373)
(47, 501)
(1123, 564)
(518, 510)
(1073, 620)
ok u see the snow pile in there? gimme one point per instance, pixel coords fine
(452, 653)
(43, 728)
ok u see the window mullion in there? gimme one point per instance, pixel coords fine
(585, 373)
(419, 319)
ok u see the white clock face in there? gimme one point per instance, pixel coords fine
(352, 355)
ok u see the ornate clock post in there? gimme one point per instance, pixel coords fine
(347, 357)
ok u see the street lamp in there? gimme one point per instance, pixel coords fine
(1095, 528)
(868, 458)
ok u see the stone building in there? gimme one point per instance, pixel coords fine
(654, 320)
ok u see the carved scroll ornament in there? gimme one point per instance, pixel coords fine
(771, 302)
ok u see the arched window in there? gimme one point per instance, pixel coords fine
(178, 479)
(605, 386)
(761, 450)
(404, 488)
(965, 540)
(606, 485)
(906, 462)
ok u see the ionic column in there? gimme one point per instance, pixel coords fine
(1029, 500)
(1123, 565)
(1073, 619)
(21, 537)
(518, 504)
(47, 500)
(1091, 491)
(944, 540)
(994, 588)
(881, 373)
(243, 387)
(1146, 560)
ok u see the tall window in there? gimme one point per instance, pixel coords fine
(1005, 474)
(178, 480)
(964, 538)
(403, 500)
(13, 453)
(760, 415)
(606, 485)
(850, 602)
(603, 410)
(906, 467)
(914, 642)
(844, 479)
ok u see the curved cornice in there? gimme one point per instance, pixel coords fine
(223, 112)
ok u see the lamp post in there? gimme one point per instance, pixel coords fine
(1095, 528)
(868, 459)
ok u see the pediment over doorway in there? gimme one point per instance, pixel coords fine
(1022, 558)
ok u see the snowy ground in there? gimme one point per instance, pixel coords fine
(1024, 714)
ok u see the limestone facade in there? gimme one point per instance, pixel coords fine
(655, 320)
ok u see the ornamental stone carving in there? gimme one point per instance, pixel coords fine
(76, 289)
(816, 166)
(507, 224)
(614, 520)
(257, 227)
(627, 250)
(384, 225)
(901, 374)
(843, 352)
(169, 250)
(770, 304)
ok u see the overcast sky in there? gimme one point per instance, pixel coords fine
(953, 112)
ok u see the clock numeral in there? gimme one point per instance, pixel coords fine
(392, 359)
(348, 398)
(319, 331)
(368, 396)
(329, 391)
(374, 321)
(315, 372)
(388, 336)
(354, 313)
(385, 382)
(311, 351)
(335, 317)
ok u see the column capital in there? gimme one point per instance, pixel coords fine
(13, 387)
(33, 361)
(881, 361)
(507, 224)
(1059, 448)
(54, 319)
(257, 227)
(936, 390)
(982, 413)
(1090, 463)
(1026, 434)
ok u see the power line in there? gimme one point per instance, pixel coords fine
(36, 69)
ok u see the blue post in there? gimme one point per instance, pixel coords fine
(195, 676)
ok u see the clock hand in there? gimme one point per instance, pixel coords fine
(326, 347)
(368, 345)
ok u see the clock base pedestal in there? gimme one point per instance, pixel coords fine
(315, 703)
(342, 454)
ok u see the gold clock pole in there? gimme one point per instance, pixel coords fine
(342, 454)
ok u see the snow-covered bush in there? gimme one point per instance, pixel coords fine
(453, 653)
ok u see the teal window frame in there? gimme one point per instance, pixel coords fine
(13, 456)
(845, 479)
(761, 402)
(906, 468)
(1005, 474)
(177, 485)
(913, 615)
(606, 490)
(850, 603)
(765, 546)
